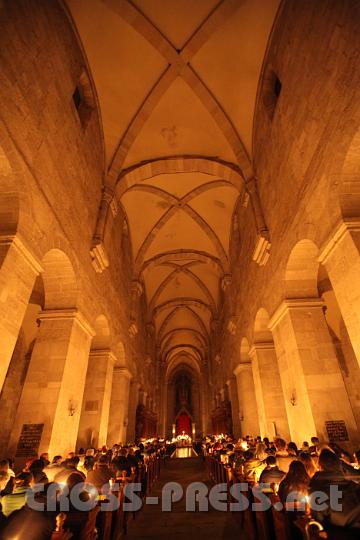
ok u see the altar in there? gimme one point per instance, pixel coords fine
(183, 440)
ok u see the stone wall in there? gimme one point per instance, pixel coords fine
(51, 172)
(300, 145)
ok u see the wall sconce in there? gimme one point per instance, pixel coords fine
(293, 398)
(71, 408)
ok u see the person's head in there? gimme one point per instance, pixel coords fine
(24, 479)
(314, 441)
(4, 465)
(297, 472)
(44, 456)
(329, 461)
(261, 451)
(37, 466)
(74, 479)
(102, 461)
(249, 454)
(266, 441)
(280, 444)
(123, 452)
(292, 449)
(89, 463)
(308, 463)
(305, 445)
(271, 462)
(56, 460)
(72, 462)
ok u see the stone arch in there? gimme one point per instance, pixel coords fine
(262, 333)
(15, 203)
(181, 360)
(101, 339)
(349, 187)
(60, 282)
(302, 270)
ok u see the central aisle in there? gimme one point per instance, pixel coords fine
(152, 523)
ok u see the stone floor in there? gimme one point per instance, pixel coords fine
(179, 524)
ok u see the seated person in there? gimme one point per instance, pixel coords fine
(314, 448)
(294, 486)
(100, 475)
(52, 469)
(292, 449)
(308, 462)
(30, 523)
(69, 466)
(271, 474)
(282, 456)
(121, 463)
(37, 470)
(331, 474)
(17, 499)
(6, 477)
(253, 466)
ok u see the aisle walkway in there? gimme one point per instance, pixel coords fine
(152, 523)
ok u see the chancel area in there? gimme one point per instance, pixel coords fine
(179, 269)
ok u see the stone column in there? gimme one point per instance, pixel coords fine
(133, 403)
(268, 390)
(19, 268)
(54, 386)
(170, 407)
(119, 408)
(248, 414)
(94, 418)
(233, 396)
(341, 258)
(312, 384)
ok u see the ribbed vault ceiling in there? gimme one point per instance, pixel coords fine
(177, 79)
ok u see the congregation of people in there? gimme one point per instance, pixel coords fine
(277, 466)
(95, 470)
(296, 474)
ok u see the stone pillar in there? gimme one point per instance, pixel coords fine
(341, 258)
(248, 414)
(94, 418)
(54, 386)
(312, 384)
(233, 396)
(170, 406)
(268, 391)
(119, 408)
(133, 403)
(19, 268)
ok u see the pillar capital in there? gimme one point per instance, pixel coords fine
(260, 346)
(293, 304)
(121, 370)
(67, 314)
(105, 354)
(336, 237)
(18, 244)
(242, 367)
